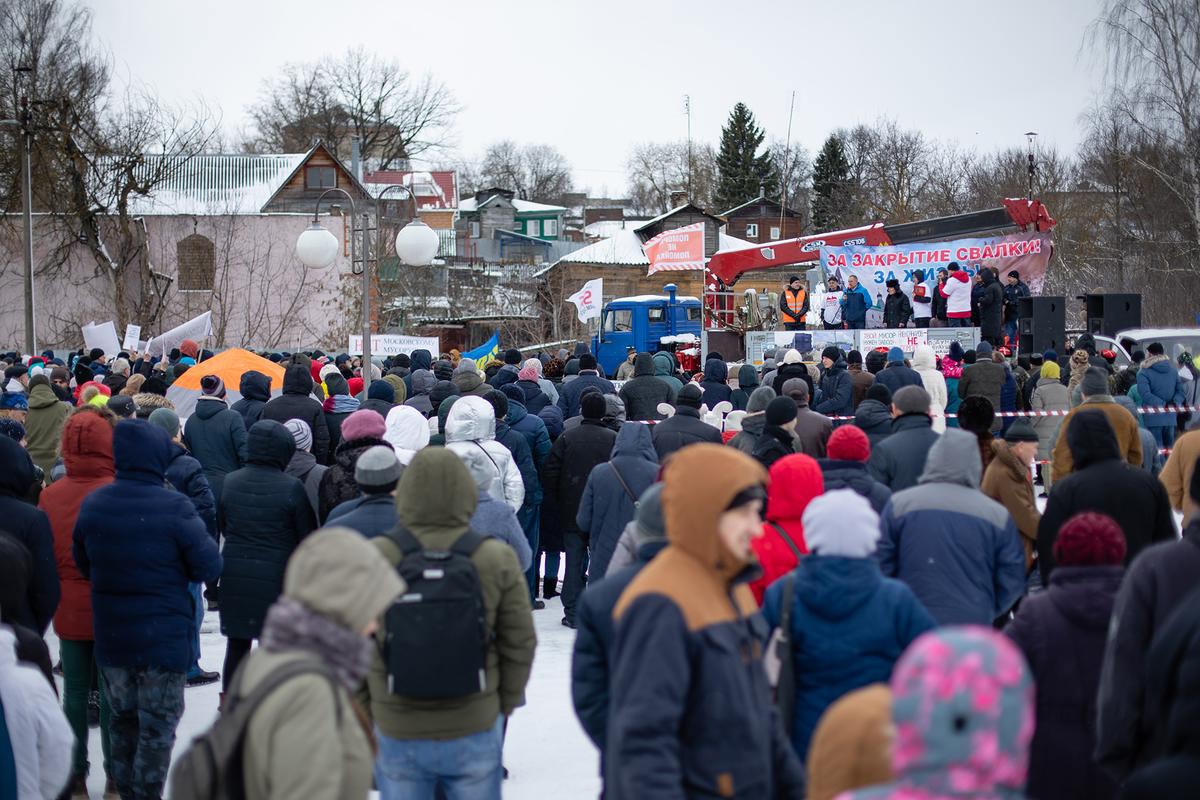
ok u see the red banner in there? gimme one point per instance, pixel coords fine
(676, 250)
(729, 265)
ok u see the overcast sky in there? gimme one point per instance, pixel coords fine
(595, 78)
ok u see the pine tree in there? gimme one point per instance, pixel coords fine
(830, 179)
(742, 172)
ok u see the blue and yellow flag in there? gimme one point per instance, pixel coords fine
(486, 351)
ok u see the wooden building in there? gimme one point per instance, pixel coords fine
(763, 220)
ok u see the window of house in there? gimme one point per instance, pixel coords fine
(550, 227)
(474, 229)
(531, 227)
(774, 234)
(752, 230)
(320, 178)
(618, 320)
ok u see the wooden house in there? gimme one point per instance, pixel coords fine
(763, 220)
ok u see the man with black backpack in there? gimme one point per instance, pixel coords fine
(452, 658)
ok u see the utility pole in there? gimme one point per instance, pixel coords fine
(23, 126)
(687, 109)
(1029, 137)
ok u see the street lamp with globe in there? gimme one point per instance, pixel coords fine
(416, 245)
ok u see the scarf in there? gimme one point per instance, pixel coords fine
(340, 404)
(291, 625)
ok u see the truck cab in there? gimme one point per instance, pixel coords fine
(640, 322)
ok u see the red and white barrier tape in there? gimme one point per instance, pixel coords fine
(1182, 409)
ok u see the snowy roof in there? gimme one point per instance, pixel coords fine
(214, 184)
(650, 298)
(436, 189)
(676, 210)
(468, 204)
(725, 243)
(607, 227)
(623, 247)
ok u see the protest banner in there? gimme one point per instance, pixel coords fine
(907, 339)
(196, 329)
(389, 344)
(102, 336)
(130, 343)
(940, 339)
(677, 249)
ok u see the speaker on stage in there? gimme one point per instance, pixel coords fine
(1042, 324)
(1109, 313)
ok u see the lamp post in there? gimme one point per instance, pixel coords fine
(1029, 136)
(416, 244)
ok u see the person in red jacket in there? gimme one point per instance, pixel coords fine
(88, 456)
(795, 481)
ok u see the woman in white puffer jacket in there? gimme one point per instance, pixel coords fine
(38, 732)
(934, 383)
(471, 425)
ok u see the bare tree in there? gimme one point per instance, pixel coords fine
(395, 115)
(656, 169)
(792, 164)
(537, 172)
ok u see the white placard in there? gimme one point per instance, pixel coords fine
(907, 339)
(132, 332)
(390, 344)
(103, 336)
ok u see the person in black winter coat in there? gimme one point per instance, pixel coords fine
(570, 393)
(845, 466)
(874, 414)
(215, 435)
(303, 465)
(16, 570)
(898, 461)
(1103, 481)
(297, 402)
(419, 359)
(28, 525)
(516, 444)
(380, 398)
(337, 407)
(593, 644)
(792, 367)
(836, 398)
(897, 308)
(715, 384)
(1062, 632)
(777, 440)
(362, 429)
(896, 375)
(255, 389)
(564, 478)
(1129, 728)
(991, 308)
(373, 513)
(264, 515)
(187, 476)
(685, 426)
(611, 494)
(643, 392)
(423, 382)
(1173, 687)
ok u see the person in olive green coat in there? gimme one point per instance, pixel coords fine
(44, 424)
(434, 501)
(306, 739)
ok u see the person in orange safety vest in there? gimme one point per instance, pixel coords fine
(793, 304)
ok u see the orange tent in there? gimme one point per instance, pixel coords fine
(229, 366)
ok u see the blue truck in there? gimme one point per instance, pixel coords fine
(640, 322)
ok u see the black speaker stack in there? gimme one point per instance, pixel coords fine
(1109, 313)
(1042, 324)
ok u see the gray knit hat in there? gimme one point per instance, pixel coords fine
(760, 398)
(1095, 382)
(301, 432)
(166, 419)
(648, 519)
(377, 469)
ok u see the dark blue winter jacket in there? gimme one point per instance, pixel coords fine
(418, 359)
(849, 625)
(854, 303)
(606, 507)
(29, 525)
(516, 444)
(536, 436)
(853, 475)
(957, 549)
(552, 417)
(836, 397)
(215, 435)
(141, 544)
(896, 376)
(569, 393)
(593, 645)
(187, 476)
(255, 389)
(371, 515)
(1159, 384)
(715, 383)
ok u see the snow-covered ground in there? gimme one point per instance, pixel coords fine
(546, 752)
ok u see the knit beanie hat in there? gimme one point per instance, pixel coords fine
(533, 363)
(853, 357)
(781, 411)
(841, 523)
(13, 401)
(895, 354)
(528, 373)
(189, 348)
(648, 518)
(443, 370)
(1051, 370)
(512, 356)
(513, 393)
(831, 352)
(592, 405)
(166, 419)
(880, 392)
(60, 374)
(11, 429)
(301, 432)
(377, 469)
(440, 391)
(381, 390)
(1020, 431)
(212, 386)
(1050, 355)
(689, 396)
(1089, 539)
(983, 349)
(587, 361)
(793, 356)
(465, 366)
(363, 424)
(760, 398)
(354, 386)
(976, 414)
(1095, 382)
(499, 402)
(325, 371)
(848, 443)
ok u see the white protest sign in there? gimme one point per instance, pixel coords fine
(195, 329)
(907, 339)
(132, 332)
(103, 336)
(390, 344)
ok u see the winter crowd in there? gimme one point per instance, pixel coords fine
(846, 587)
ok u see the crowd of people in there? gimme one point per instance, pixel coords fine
(846, 587)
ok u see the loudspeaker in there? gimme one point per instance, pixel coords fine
(1109, 313)
(1042, 324)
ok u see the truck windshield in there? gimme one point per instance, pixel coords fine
(618, 320)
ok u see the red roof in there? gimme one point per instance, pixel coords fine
(446, 180)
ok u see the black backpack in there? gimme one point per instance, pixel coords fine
(212, 767)
(436, 634)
